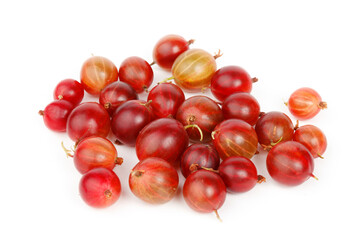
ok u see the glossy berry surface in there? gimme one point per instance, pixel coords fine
(234, 137)
(197, 156)
(239, 174)
(164, 138)
(165, 99)
(100, 187)
(203, 112)
(129, 119)
(116, 93)
(290, 163)
(94, 152)
(55, 115)
(204, 191)
(136, 72)
(274, 127)
(69, 90)
(312, 138)
(154, 180)
(167, 49)
(193, 70)
(229, 80)
(305, 103)
(96, 73)
(88, 119)
(241, 106)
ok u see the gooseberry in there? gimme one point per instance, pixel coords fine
(100, 187)
(312, 138)
(305, 103)
(69, 90)
(136, 72)
(96, 73)
(55, 115)
(154, 180)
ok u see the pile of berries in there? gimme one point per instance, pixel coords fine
(225, 134)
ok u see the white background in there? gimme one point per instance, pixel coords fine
(285, 45)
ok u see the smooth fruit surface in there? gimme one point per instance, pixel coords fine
(116, 93)
(165, 99)
(100, 187)
(88, 119)
(290, 163)
(129, 119)
(305, 103)
(69, 90)
(234, 137)
(136, 72)
(204, 191)
(229, 80)
(154, 180)
(203, 112)
(241, 106)
(312, 138)
(55, 115)
(94, 152)
(167, 49)
(239, 174)
(164, 138)
(197, 156)
(274, 127)
(193, 70)
(96, 73)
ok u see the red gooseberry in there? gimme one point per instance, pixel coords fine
(312, 138)
(168, 48)
(193, 69)
(164, 138)
(100, 187)
(290, 163)
(69, 90)
(116, 93)
(55, 115)
(198, 156)
(241, 106)
(239, 174)
(88, 119)
(129, 119)
(229, 80)
(154, 180)
(201, 111)
(96, 73)
(94, 152)
(274, 127)
(204, 191)
(165, 99)
(136, 72)
(234, 137)
(305, 103)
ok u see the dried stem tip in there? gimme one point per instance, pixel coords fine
(323, 105)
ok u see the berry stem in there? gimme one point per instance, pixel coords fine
(107, 105)
(41, 112)
(119, 160)
(261, 179)
(213, 134)
(217, 215)
(218, 54)
(117, 142)
(137, 173)
(191, 41)
(313, 176)
(60, 97)
(67, 151)
(198, 128)
(320, 156)
(254, 79)
(153, 62)
(166, 80)
(146, 104)
(297, 125)
(322, 105)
